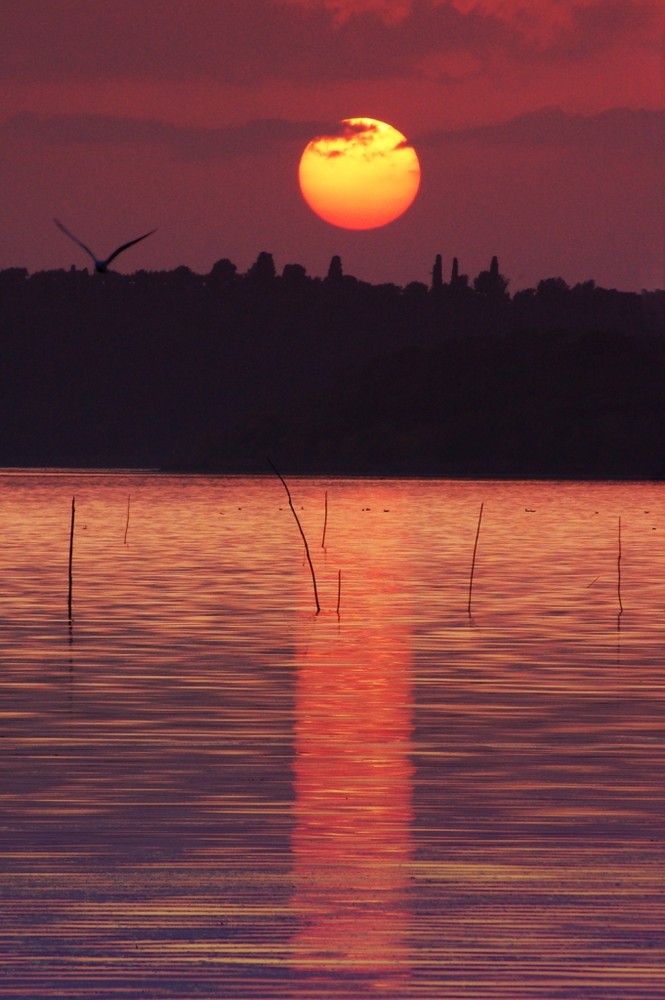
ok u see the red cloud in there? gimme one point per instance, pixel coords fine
(389, 11)
(548, 21)
(540, 22)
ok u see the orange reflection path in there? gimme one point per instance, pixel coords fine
(353, 780)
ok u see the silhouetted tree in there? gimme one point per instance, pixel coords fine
(183, 275)
(437, 273)
(415, 291)
(222, 274)
(584, 290)
(263, 269)
(458, 281)
(335, 269)
(550, 288)
(454, 273)
(294, 273)
(14, 274)
(491, 284)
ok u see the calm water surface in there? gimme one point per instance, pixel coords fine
(209, 790)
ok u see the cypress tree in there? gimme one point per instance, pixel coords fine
(263, 269)
(454, 274)
(437, 273)
(335, 269)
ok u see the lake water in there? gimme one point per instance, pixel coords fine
(209, 790)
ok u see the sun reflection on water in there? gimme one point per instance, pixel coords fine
(353, 799)
(353, 776)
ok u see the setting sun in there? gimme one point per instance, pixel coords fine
(363, 176)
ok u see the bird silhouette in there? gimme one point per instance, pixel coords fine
(102, 266)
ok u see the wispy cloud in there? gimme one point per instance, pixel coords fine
(634, 131)
(189, 141)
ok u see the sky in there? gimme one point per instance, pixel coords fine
(539, 127)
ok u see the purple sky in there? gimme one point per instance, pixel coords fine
(539, 127)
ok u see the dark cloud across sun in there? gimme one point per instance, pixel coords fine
(640, 130)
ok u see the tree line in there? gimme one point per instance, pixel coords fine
(219, 372)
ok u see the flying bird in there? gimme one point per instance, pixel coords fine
(102, 266)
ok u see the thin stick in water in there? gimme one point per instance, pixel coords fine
(302, 533)
(325, 521)
(619, 571)
(473, 560)
(127, 522)
(71, 557)
(339, 589)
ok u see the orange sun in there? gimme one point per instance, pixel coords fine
(364, 175)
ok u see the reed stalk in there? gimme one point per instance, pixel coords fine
(619, 571)
(325, 521)
(473, 560)
(339, 589)
(302, 534)
(71, 558)
(127, 521)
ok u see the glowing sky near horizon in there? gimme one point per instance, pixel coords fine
(191, 117)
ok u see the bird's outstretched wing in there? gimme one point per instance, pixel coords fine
(130, 244)
(75, 238)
